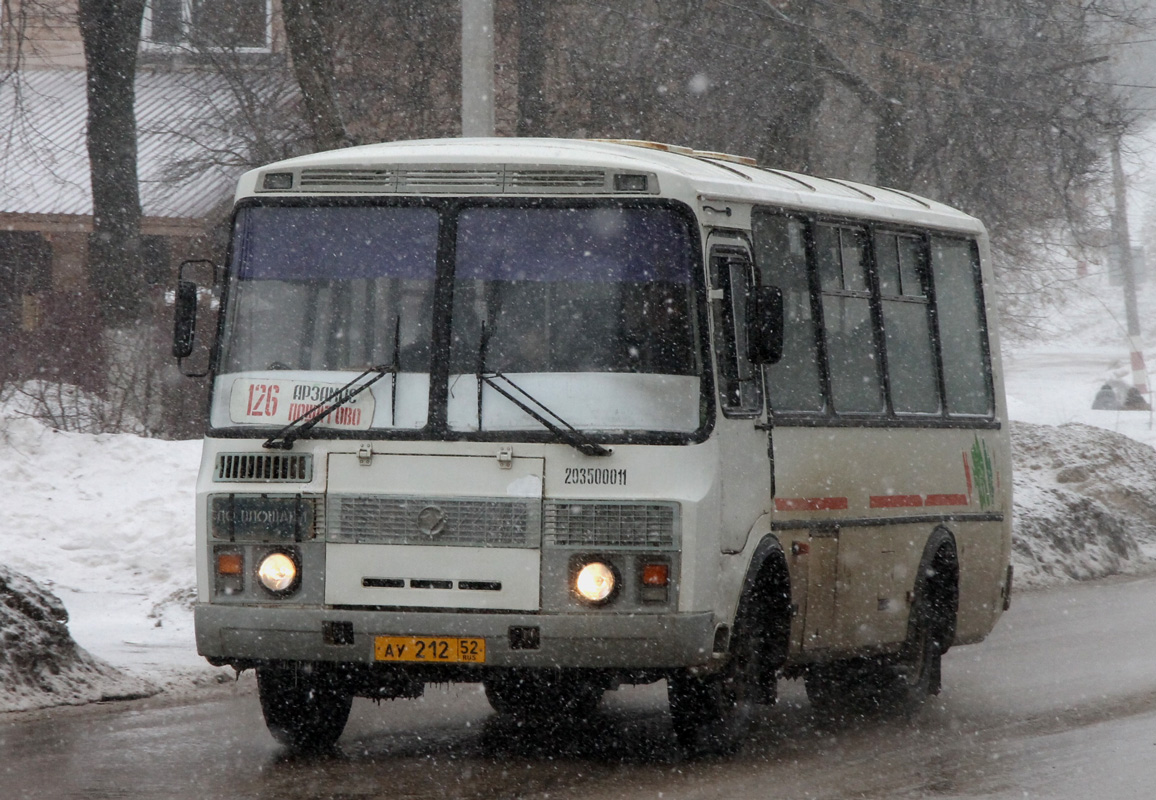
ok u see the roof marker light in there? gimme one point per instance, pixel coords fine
(631, 183)
(277, 181)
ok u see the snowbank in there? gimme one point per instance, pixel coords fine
(40, 664)
(1085, 503)
(105, 524)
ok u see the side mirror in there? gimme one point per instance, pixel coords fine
(765, 325)
(185, 310)
(185, 324)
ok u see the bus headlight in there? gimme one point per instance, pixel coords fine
(596, 582)
(278, 572)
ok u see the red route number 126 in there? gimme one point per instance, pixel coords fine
(263, 399)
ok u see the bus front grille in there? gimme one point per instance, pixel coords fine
(604, 524)
(489, 522)
(264, 468)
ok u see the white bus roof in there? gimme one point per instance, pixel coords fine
(568, 167)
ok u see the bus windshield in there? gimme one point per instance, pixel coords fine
(592, 310)
(555, 296)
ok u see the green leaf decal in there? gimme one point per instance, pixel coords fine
(983, 473)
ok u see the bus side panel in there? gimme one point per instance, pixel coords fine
(862, 502)
(982, 576)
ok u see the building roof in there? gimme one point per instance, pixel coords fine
(44, 159)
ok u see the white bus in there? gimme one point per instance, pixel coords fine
(554, 416)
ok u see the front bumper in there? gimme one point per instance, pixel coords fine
(598, 641)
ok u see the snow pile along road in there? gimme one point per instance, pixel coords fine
(104, 525)
(1085, 503)
(40, 664)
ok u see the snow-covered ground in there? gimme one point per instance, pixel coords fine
(1085, 498)
(106, 521)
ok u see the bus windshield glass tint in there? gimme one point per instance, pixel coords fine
(566, 292)
(329, 288)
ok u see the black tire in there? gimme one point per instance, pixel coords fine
(712, 714)
(305, 707)
(892, 685)
(542, 695)
(900, 683)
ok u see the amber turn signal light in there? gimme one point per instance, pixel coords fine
(655, 574)
(229, 564)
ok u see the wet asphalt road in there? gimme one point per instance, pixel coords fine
(1059, 703)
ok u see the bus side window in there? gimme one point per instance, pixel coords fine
(962, 328)
(901, 264)
(793, 384)
(840, 254)
(732, 281)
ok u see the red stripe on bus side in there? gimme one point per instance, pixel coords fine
(896, 501)
(946, 500)
(810, 503)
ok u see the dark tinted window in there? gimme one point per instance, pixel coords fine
(793, 384)
(841, 253)
(229, 23)
(962, 330)
(336, 288)
(732, 281)
(911, 369)
(574, 290)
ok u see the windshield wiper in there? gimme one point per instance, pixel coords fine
(310, 418)
(564, 431)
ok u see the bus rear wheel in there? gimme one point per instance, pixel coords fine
(305, 706)
(897, 684)
(866, 686)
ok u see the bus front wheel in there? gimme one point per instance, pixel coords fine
(305, 706)
(712, 714)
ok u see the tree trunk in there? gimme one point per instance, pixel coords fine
(110, 31)
(532, 106)
(788, 140)
(313, 68)
(893, 125)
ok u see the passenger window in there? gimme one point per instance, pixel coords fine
(962, 328)
(732, 282)
(793, 384)
(851, 346)
(911, 367)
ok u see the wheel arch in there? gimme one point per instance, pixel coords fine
(766, 594)
(936, 589)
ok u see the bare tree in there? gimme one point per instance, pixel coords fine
(532, 52)
(308, 32)
(110, 30)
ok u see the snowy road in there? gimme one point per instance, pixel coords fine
(1059, 703)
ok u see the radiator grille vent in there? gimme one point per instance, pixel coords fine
(348, 180)
(451, 179)
(433, 180)
(490, 522)
(264, 467)
(592, 524)
(566, 180)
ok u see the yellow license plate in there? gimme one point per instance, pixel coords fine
(430, 649)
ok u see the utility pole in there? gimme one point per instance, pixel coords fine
(477, 67)
(1124, 247)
